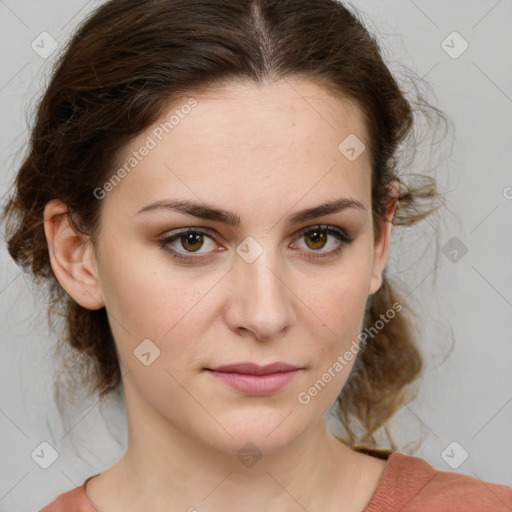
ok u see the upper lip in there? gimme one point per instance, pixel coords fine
(254, 369)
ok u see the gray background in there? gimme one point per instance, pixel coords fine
(465, 399)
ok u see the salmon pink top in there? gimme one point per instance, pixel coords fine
(408, 484)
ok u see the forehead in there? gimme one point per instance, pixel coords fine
(296, 105)
(282, 134)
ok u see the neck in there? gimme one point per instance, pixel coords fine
(165, 465)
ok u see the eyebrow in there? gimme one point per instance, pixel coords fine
(204, 211)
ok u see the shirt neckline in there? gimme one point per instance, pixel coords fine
(382, 484)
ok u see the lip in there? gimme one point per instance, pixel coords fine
(253, 379)
(255, 369)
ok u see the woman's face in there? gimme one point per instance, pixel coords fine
(268, 288)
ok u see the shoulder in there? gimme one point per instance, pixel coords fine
(411, 484)
(74, 500)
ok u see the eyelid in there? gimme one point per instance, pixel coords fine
(191, 229)
(213, 234)
(328, 228)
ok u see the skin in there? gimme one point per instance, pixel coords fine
(263, 153)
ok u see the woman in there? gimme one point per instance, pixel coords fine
(209, 194)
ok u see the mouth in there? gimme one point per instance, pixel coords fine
(253, 379)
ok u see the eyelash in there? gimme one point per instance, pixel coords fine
(343, 239)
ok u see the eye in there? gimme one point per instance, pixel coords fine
(186, 244)
(316, 238)
(191, 240)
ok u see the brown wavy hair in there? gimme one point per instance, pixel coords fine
(117, 75)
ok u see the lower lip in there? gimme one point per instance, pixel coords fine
(256, 384)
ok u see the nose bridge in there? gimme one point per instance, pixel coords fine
(262, 298)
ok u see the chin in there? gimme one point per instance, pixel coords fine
(263, 432)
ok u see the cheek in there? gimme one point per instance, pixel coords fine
(341, 312)
(139, 295)
(342, 302)
(135, 309)
(340, 307)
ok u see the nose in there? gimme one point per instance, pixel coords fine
(261, 300)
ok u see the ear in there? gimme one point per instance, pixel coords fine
(381, 251)
(71, 257)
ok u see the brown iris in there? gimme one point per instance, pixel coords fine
(317, 238)
(190, 242)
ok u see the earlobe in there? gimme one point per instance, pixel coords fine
(71, 257)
